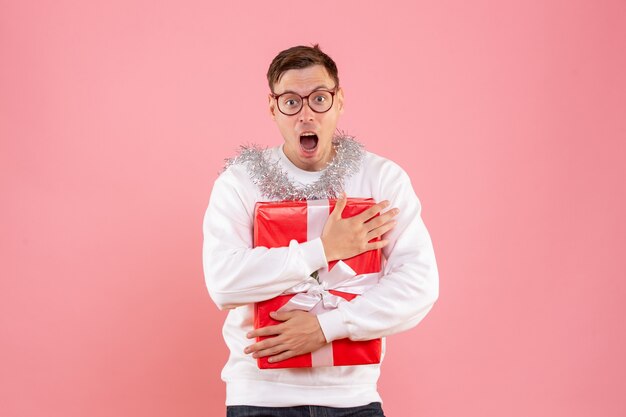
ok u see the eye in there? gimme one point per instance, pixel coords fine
(320, 98)
(291, 101)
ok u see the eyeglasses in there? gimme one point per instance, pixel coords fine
(320, 101)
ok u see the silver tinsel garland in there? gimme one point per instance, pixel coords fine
(275, 183)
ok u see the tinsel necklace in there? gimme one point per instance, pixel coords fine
(275, 184)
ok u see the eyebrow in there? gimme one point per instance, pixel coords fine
(314, 89)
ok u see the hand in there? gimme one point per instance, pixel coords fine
(345, 238)
(299, 333)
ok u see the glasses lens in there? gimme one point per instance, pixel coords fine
(290, 103)
(320, 101)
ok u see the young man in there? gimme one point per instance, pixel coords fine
(314, 162)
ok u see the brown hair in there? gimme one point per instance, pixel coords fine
(298, 57)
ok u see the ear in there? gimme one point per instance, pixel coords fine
(340, 99)
(272, 106)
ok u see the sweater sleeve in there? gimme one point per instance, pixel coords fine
(235, 272)
(409, 285)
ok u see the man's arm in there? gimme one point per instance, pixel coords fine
(235, 273)
(410, 283)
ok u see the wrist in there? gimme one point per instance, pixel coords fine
(327, 251)
(321, 337)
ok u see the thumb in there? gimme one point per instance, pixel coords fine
(340, 205)
(281, 315)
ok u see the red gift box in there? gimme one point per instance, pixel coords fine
(275, 225)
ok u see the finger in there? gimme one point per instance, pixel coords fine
(281, 315)
(274, 350)
(262, 345)
(372, 211)
(264, 331)
(378, 221)
(375, 245)
(281, 357)
(379, 231)
(340, 205)
(255, 347)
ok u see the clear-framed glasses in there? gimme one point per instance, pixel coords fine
(320, 101)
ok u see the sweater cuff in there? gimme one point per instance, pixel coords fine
(332, 325)
(313, 253)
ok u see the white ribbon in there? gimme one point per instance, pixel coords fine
(311, 293)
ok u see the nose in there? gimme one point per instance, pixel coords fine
(306, 113)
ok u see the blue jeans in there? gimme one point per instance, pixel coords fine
(370, 410)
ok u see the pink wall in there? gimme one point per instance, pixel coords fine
(114, 120)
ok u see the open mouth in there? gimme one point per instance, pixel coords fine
(308, 141)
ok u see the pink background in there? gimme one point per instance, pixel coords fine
(509, 117)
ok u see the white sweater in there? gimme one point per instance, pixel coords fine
(238, 275)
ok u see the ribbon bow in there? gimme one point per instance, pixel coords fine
(314, 296)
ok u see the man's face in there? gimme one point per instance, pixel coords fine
(307, 152)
